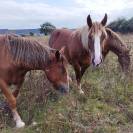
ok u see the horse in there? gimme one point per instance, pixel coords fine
(89, 45)
(18, 56)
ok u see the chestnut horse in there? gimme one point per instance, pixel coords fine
(89, 45)
(18, 56)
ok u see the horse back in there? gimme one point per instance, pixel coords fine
(60, 38)
(4, 52)
(70, 39)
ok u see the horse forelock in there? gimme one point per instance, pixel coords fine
(27, 52)
(97, 28)
(85, 31)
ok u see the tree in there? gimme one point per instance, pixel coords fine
(118, 25)
(31, 34)
(47, 28)
(122, 25)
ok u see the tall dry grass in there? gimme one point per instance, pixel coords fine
(106, 107)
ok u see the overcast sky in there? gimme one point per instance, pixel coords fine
(19, 14)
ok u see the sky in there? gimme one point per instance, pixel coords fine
(23, 14)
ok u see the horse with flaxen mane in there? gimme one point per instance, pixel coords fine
(18, 56)
(89, 45)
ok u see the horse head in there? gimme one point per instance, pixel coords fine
(56, 71)
(96, 38)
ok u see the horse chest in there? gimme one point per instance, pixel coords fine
(85, 59)
(13, 76)
(18, 76)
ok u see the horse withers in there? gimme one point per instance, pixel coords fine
(18, 56)
(89, 45)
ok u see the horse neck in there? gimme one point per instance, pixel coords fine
(40, 63)
(28, 54)
(116, 44)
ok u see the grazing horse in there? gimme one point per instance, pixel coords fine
(18, 56)
(89, 45)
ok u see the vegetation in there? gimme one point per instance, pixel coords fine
(122, 25)
(47, 28)
(106, 107)
(31, 34)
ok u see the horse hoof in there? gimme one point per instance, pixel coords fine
(20, 124)
(81, 92)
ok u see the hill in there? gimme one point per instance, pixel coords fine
(106, 107)
(20, 31)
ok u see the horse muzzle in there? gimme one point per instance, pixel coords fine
(97, 62)
(63, 89)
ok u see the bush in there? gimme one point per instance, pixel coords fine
(122, 25)
(47, 28)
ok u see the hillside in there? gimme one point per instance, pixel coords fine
(20, 31)
(106, 107)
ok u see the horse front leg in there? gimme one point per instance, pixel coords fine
(12, 103)
(16, 91)
(77, 69)
(83, 69)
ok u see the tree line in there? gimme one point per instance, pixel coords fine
(122, 25)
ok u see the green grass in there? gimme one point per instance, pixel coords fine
(106, 107)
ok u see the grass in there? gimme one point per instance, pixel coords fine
(106, 107)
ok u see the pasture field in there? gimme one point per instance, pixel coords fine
(106, 107)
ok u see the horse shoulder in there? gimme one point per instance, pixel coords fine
(75, 43)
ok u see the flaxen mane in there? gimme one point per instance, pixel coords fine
(84, 36)
(26, 51)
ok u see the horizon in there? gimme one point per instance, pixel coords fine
(30, 14)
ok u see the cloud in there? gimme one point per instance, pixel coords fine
(104, 5)
(32, 13)
(27, 14)
(115, 9)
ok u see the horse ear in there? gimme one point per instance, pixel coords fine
(89, 21)
(57, 55)
(104, 21)
(62, 50)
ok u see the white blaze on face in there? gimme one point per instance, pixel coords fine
(97, 49)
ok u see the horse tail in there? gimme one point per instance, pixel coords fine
(53, 37)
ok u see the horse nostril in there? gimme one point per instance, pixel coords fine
(63, 90)
(97, 65)
(97, 62)
(93, 61)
